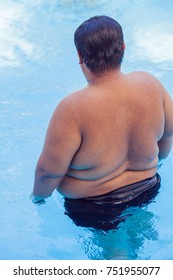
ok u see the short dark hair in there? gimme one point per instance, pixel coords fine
(99, 41)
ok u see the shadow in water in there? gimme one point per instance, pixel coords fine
(126, 242)
(114, 232)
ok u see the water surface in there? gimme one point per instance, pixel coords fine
(38, 67)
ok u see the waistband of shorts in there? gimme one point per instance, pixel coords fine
(126, 193)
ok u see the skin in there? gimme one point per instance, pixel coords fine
(110, 134)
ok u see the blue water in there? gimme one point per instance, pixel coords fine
(38, 67)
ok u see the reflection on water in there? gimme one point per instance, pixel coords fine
(151, 40)
(14, 19)
(155, 44)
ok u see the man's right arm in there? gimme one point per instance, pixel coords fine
(62, 141)
(166, 142)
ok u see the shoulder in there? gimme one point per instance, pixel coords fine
(148, 80)
(143, 76)
(158, 90)
(72, 99)
(69, 108)
(73, 102)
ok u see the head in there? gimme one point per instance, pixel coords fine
(100, 45)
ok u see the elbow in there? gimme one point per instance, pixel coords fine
(165, 146)
(40, 170)
(162, 156)
(48, 170)
(42, 184)
(45, 181)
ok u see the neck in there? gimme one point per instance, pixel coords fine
(101, 78)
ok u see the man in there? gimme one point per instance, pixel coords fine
(106, 139)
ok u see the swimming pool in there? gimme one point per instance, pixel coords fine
(38, 67)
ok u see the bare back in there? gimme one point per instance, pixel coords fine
(121, 121)
(106, 136)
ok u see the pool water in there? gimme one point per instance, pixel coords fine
(38, 67)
